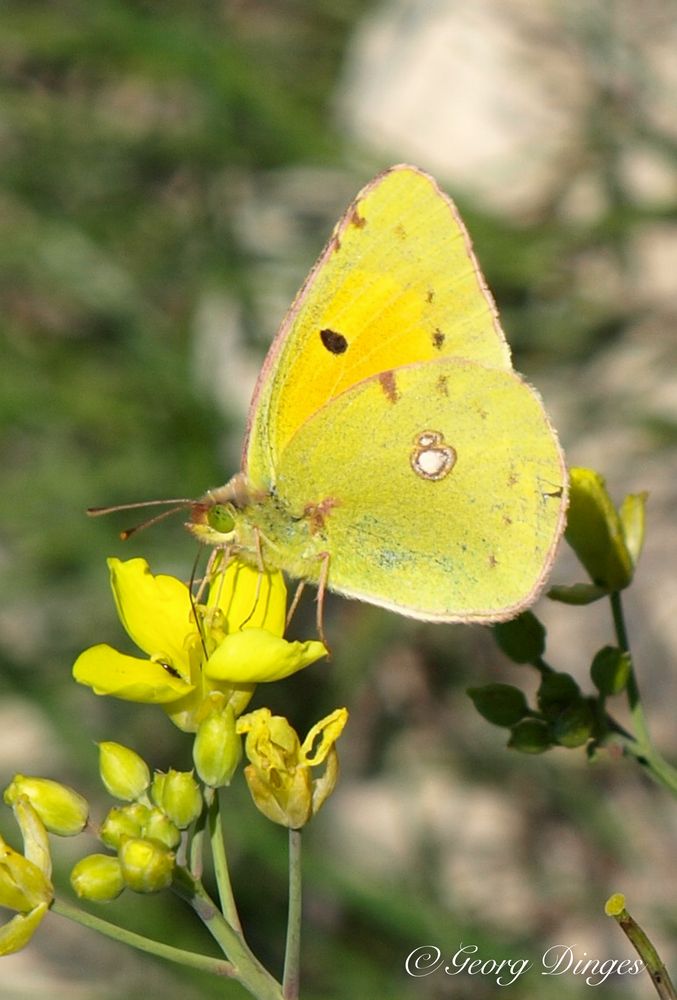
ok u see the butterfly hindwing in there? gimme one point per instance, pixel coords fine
(439, 490)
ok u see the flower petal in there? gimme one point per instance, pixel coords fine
(34, 834)
(155, 610)
(256, 655)
(17, 932)
(108, 672)
(249, 598)
(22, 884)
(328, 731)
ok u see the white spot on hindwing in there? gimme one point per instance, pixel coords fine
(431, 457)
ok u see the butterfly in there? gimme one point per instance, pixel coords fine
(392, 454)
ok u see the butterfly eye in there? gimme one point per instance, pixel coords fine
(220, 519)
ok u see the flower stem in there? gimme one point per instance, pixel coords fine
(641, 748)
(205, 963)
(291, 980)
(246, 967)
(221, 864)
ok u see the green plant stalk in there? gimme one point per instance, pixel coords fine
(292, 955)
(543, 666)
(191, 959)
(641, 747)
(246, 967)
(195, 859)
(223, 882)
(646, 951)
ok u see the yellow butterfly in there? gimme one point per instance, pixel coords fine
(392, 453)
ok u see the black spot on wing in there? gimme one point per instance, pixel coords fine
(335, 342)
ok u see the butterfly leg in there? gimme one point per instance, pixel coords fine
(321, 590)
(259, 579)
(295, 602)
(218, 553)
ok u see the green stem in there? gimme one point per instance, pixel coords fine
(292, 955)
(641, 747)
(221, 864)
(654, 966)
(195, 858)
(543, 666)
(205, 963)
(246, 967)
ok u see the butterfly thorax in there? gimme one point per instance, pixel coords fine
(260, 528)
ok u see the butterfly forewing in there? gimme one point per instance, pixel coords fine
(397, 283)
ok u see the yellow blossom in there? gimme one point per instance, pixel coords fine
(279, 773)
(234, 644)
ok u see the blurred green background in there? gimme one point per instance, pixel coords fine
(168, 173)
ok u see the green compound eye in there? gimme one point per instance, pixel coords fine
(220, 519)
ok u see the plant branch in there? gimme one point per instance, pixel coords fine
(246, 967)
(291, 979)
(205, 963)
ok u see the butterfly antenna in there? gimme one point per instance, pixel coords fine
(128, 532)
(176, 505)
(137, 505)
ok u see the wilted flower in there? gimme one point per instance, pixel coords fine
(25, 879)
(279, 774)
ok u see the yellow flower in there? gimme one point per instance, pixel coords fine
(25, 880)
(235, 643)
(279, 774)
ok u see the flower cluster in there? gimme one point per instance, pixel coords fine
(203, 661)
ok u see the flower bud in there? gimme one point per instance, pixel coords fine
(502, 704)
(522, 639)
(147, 865)
(159, 827)
(217, 749)
(530, 736)
(556, 692)
(123, 772)
(574, 726)
(98, 877)
(178, 795)
(62, 810)
(122, 822)
(596, 532)
(610, 670)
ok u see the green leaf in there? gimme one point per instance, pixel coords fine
(522, 639)
(501, 704)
